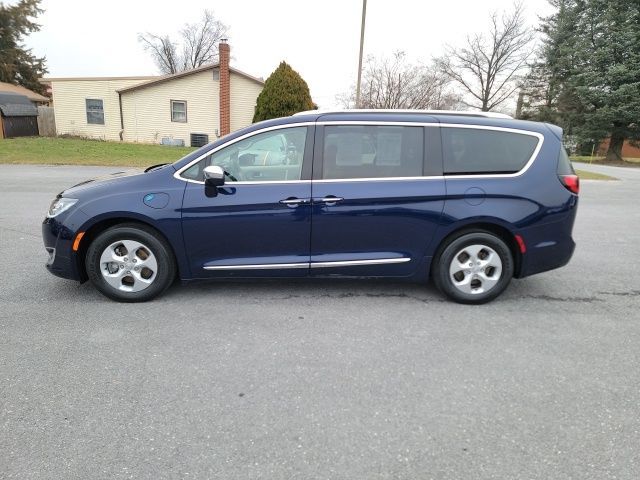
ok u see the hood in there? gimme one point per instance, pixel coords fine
(120, 178)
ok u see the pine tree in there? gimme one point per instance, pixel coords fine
(607, 80)
(545, 89)
(284, 93)
(17, 64)
(589, 74)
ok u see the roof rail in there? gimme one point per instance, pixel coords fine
(469, 113)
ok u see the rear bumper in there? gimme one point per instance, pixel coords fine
(549, 247)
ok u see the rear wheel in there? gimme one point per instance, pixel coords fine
(473, 268)
(130, 263)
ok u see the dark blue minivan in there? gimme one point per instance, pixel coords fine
(469, 199)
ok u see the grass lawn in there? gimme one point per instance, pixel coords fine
(73, 151)
(584, 175)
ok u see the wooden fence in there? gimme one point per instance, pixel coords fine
(46, 122)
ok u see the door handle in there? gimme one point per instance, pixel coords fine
(330, 199)
(293, 201)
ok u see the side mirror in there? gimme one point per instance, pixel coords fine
(213, 176)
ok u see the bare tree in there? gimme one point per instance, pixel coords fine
(488, 67)
(395, 83)
(197, 46)
(162, 50)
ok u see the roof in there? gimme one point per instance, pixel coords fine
(20, 90)
(174, 76)
(83, 79)
(14, 105)
(470, 113)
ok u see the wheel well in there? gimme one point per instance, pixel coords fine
(501, 232)
(100, 227)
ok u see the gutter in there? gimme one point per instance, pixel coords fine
(121, 118)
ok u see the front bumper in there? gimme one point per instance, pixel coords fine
(58, 241)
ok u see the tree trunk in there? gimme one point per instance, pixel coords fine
(520, 104)
(614, 153)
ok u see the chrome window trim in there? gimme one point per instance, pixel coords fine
(376, 179)
(526, 167)
(263, 182)
(339, 263)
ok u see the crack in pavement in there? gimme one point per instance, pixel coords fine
(632, 293)
(549, 298)
(366, 295)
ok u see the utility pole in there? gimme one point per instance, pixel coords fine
(364, 16)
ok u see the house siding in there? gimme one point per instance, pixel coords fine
(70, 107)
(147, 111)
(244, 94)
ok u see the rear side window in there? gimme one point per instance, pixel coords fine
(473, 150)
(372, 152)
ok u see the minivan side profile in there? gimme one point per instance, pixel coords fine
(468, 199)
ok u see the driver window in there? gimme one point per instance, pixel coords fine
(271, 156)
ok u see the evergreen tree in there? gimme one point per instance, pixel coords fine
(545, 88)
(284, 93)
(588, 79)
(17, 64)
(607, 80)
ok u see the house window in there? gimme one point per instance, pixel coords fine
(179, 111)
(95, 111)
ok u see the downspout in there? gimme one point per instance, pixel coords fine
(121, 134)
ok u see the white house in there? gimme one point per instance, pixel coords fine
(201, 104)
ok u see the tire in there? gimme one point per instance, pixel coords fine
(124, 277)
(473, 268)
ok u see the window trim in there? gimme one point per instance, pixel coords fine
(86, 111)
(186, 118)
(319, 131)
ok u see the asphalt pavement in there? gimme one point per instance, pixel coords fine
(322, 379)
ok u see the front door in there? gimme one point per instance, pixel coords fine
(259, 222)
(376, 201)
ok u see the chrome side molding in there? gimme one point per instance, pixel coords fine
(342, 263)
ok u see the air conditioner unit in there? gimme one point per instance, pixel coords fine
(199, 139)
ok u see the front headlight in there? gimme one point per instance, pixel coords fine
(60, 205)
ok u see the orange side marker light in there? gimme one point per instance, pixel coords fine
(76, 242)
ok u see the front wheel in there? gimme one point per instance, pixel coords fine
(130, 263)
(473, 268)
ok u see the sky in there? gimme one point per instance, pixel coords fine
(319, 39)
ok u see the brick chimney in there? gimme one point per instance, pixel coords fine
(225, 88)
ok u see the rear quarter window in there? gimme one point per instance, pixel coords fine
(475, 151)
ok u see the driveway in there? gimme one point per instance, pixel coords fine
(322, 379)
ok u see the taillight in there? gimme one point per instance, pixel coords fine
(571, 183)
